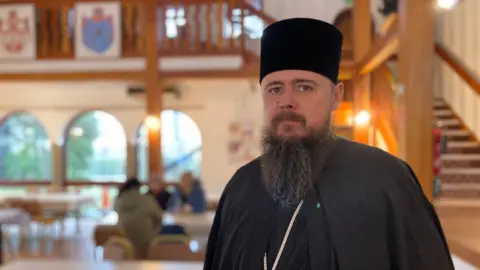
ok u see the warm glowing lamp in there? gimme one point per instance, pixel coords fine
(153, 122)
(362, 118)
(446, 4)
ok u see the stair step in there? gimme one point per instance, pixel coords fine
(443, 113)
(467, 144)
(460, 178)
(450, 123)
(455, 161)
(469, 157)
(457, 134)
(461, 186)
(465, 147)
(455, 164)
(461, 171)
(438, 102)
(440, 106)
(459, 194)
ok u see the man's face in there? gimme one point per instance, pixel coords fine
(297, 102)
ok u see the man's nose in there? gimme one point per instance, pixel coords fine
(287, 101)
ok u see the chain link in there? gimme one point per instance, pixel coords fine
(284, 241)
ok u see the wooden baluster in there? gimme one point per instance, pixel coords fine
(55, 29)
(44, 31)
(197, 43)
(220, 24)
(66, 45)
(140, 29)
(187, 37)
(243, 35)
(232, 25)
(127, 20)
(165, 41)
(176, 6)
(209, 25)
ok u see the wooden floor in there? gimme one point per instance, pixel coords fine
(462, 228)
(461, 225)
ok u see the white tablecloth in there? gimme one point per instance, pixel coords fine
(10, 216)
(71, 201)
(80, 265)
(193, 223)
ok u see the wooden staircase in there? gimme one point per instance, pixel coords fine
(460, 173)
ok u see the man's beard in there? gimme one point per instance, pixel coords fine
(290, 166)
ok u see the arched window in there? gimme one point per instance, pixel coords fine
(96, 152)
(96, 149)
(25, 150)
(181, 146)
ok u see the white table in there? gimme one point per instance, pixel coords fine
(193, 223)
(81, 265)
(11, 216)
(64, 200)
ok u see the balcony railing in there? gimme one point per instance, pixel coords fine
(189, 27)
(55, 25)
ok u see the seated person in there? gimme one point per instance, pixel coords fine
(139, 215)
(192, 194)
(158, 190)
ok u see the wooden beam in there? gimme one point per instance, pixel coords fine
(381, 50)
(362, 43)
(416, 59)
(77, 76)
(154, 93)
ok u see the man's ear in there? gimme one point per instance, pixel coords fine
(337, 95)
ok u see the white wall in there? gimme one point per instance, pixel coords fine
(325, 10)
(457, 31)
(211, 104)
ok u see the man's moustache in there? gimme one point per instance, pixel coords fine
(288, 116)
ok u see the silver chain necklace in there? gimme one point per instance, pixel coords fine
(284, 241)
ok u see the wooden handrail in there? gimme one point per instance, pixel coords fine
(460, 69)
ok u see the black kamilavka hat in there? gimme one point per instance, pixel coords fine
(301, 44)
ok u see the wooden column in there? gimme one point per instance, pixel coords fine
(153, 92)
(132, 170)
(57, 166)
(362, 41)
(416, 59)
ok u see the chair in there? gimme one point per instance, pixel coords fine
(118, 248)
(38, 215)
(103, 233)
(173, 248)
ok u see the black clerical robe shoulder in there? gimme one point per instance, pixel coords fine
(367, 212)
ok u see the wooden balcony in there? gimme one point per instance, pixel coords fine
(224, 30)
(190, 27)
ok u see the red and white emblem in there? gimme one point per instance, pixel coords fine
(14, 32)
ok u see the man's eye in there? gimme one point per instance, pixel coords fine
(304, 88)
(274, 90)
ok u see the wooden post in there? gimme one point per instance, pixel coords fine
(416, 60)
(362, 41)
(154, 94)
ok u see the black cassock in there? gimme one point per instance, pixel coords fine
(367, 212)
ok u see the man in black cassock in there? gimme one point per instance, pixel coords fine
(314, 201)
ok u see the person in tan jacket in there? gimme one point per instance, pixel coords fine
(139, 215)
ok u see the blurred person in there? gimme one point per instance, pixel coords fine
(312, 200)
(192, 194)
(158, 189)
(139, 215)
